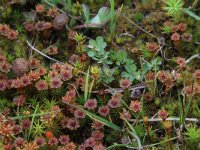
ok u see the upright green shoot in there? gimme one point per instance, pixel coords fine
(112, 15)
(69, 3)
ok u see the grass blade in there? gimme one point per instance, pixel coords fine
(191, 14)
(86, 86)
(98, 118)
(34, 114)
(133, 133)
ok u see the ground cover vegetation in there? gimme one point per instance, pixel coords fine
(99, 75)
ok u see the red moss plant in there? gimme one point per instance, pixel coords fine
(97, 125)
(39, 8)
(33, 63)
(196, 88)
(90, 104)
(34, 75)
(55, 82)
(8, 146)
(41, 71)
(73, 124)
(6, 31)
(12, 34)
(16, 129)
(125, 83)
(115, 101)
(99, 146)
(2, 85)
(52, 12)
(186, 37)
(64, 139)
(152, 47)
(150, 76)
(41, 85)
(25, 124)
(53, 74)
(82, 147)
(163, 76)
(135, 106)
(29, 26)
(182, 27)
(174, 28)
(5, 67)
(149, 96)
(196, 74)
(53, 141)
(104, 110)
(163, 114)
(40, 141)
(56, 67)
(168, 23)
(97, 135)
(66, 75)
(19, 143)
(79, 114)
(90, 142)
(175, 37)
(31, 146)
(70, 146)
(181, 62)
(52, 50)
(19, 100)
(42, 25)
(125, 114)
(188, 90)
(25, 80)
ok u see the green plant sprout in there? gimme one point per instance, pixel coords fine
(96, 50)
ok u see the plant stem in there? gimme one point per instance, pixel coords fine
(112, 15)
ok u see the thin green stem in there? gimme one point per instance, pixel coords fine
(112, 15)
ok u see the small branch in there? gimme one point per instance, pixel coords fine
(192, 57)
(169, 119)
(32, 47)
(88, 25)
(141, 28)
(127, 34)
(119, 90)
(161, 40)
(42, 53)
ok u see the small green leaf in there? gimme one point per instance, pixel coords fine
(102, 17)
(86, 12)
(90, 53)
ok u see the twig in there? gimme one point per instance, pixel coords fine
(192, 57)
(169, 119)
(127, 34)
(141, 28)
(144, 146)
(42, 53)
(119, 90)
(88, 25)
(32, 47)
(161, 40)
